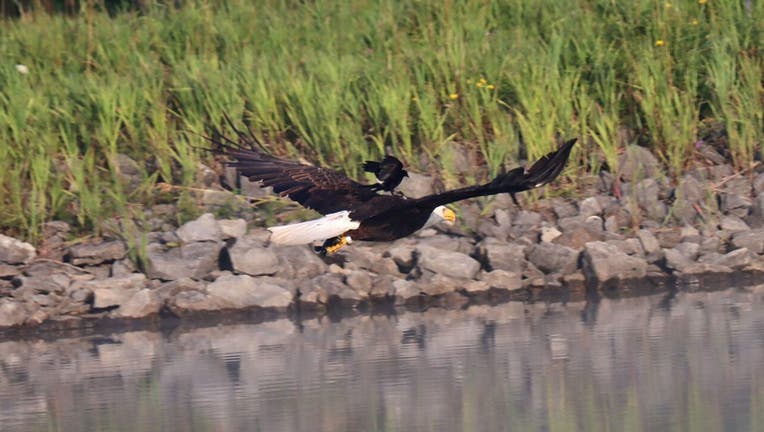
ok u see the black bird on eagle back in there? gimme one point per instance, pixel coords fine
(354, 211)
(389, 171)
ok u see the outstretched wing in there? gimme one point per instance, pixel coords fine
(321, 189)
(520, 179)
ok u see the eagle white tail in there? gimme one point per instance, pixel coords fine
(307, 232)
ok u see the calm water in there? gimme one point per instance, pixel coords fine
(694, 361)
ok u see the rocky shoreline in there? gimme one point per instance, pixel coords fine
(706, 227)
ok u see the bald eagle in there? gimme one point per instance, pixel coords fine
(353, 211)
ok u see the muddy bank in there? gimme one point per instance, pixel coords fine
(636, 230)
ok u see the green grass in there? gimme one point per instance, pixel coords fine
(338, 82)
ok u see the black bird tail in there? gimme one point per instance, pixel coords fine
(371, 166)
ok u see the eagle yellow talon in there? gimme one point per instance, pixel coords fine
(333, 244)
(337, 244)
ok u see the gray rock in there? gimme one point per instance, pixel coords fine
(444, 242)
(649, 242)
(549, 234)
(12, 313)
(186, 302)
(244, 291)
(709, 257)
(359, 281)
(370, 258)
(106, 297)
(758, 184)
(253, 188)
(502, 256)
(14, 251)
(735, 204)
(647, 197)
(705, 269)
(122, 268)
(502, 279)
(53, 282)
(403, 256)
(250, 257)
(709, 153)
(690, 234)
(382, 286)
(97, 253)
(525, 218)
(52, 228)
(143, 303)
(720, 173)
(605, 262)
(676, 260)
(758, 206)
(9, 271)
(629, 246)
(563, 208)
(205, 176)
(170, 289)
(128, 170)
(323, 289)
(553, 258)
(669, 238)
(638, 163)
(295, 262)
(690, 250)
(439, 284)
(204, 228)
(416, 185)
(447, 263)
(405, 291)
(100, 272)
(614, 224)
(689, 193)
(232, 228)
(738, 258)
(590, 207)
(477, 286)
(737, 186)
(80, 295)
(503, 218)
(752, 240)
(711, 243)
(116, 291)
(578, 231)
(218, 198)
(733, 224)
(195, 260)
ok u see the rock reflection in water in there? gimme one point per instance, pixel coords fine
(692, 362)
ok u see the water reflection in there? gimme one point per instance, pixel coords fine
(693, 361)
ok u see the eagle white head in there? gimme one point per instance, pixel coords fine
(441, 214)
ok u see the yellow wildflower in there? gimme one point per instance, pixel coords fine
(702, 2)
(667, 5)
(490, 87)
(694, 22)
(480, 84)
(660, 43)
(453, 96)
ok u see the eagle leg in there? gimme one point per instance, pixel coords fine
(332, 245)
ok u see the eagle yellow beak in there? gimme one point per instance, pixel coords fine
(449, 216)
